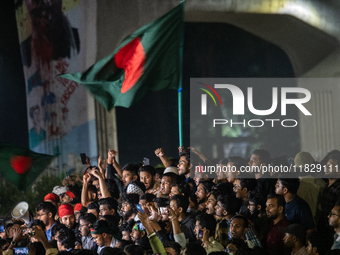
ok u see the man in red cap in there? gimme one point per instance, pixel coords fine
(77, 212)
(52, 198)
(66, 215)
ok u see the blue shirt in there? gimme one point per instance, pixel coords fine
(49, 232)
(298, 211)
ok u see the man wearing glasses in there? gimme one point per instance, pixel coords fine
(46, 212)
(334, 222)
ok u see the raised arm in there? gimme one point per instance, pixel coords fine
(112, 160)
(85, 201)
(160, 153)
(103, 188)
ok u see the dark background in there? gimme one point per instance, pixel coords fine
(210, 50)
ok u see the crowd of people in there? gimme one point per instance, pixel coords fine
(137, 209)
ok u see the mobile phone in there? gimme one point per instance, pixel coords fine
(200, 233)
(83, 158)
(163, 210)
(20, 250)
(146, 161)
(139, 208)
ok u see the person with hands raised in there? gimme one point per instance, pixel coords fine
(111, 160)
(104, 192)
(155, 242)
(160, 153)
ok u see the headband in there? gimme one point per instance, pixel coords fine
(70, 194)
(100, 231)
(51, 197)
(65, 209)
(78, 207)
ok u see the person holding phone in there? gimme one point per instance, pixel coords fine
(205, 230)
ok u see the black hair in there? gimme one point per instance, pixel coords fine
(85, 252)
(173, 177)
(57, 227)
(279, 198)
(149, 197)
(183, 188)
(174, 245)
(207, 185)
(223, 188)
(133, 249)
(228, 203)
(263, 154)
(291, 184)
(207, 221)
(47, 207)
(258, 198)
(317, 240)
(223, 161)
(112, 188)
(110, 202)
(37, 222)
(238, 162)
(67, 238)
(39, 248)
(186, 155)
(181, 201)
(159, 171)
(132, 199)
(161, 202)
(150, 169)
(93, 205)
(88, 217)
(132, 168)
(100, 224)
(18, 222)
(245, 220)
(248, 183)
(123, 243)
(92, 188)
(194, 249)
(127, 226)
(113, 220)
(110, 251)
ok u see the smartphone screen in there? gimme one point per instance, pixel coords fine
(83, 158)
(146, 161)
(139, 208)
(200, 233)
(21, 250)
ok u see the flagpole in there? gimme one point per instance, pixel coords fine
(180, 89)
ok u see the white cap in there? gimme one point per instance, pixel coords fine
(171, 169)
(58, 190)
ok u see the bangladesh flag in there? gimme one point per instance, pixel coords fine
(149, 59)
(21, 166)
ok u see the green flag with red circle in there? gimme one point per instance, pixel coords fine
(21, 166)
(147, 60)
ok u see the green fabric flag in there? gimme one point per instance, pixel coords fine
(146, 60)
(21, 166)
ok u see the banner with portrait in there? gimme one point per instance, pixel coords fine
(58, 37)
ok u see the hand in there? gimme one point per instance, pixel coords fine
(205, 238)
(143, 217)
(171, 213)
(101, 163)
(154, 215)
(86, 178)
(95, 173)
(78, 179)
(17, 234)
(182, 149)
(194, 150)
(65, 182)
(159, 152)
(39, 234)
